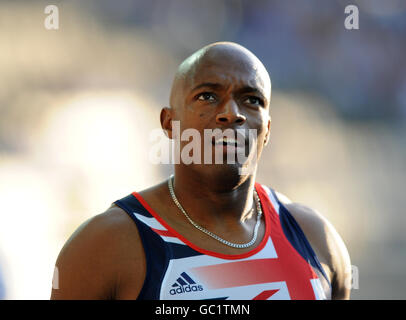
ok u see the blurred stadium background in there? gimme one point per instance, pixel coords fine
(77, 106)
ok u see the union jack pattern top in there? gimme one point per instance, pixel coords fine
(282, 266)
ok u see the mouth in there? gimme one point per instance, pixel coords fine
(230, 144)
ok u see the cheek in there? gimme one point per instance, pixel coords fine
(194, 120)
(198, 119)
(260, 124)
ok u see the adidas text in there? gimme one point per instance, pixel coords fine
(187, 288)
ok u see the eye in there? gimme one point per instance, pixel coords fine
(206, 96)
(253, 100)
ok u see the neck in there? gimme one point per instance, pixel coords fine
(213, 199)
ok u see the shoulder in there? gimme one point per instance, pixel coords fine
(327, 244)
(87, 264)
(105, 230)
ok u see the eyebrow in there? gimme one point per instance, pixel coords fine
(248, 89)
(214, 85)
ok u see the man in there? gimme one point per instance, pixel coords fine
(209, 232)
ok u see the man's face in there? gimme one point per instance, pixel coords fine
(226, 92)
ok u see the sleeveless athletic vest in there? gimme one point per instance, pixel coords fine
(282, 266)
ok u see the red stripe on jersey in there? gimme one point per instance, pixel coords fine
(164, 233)
(265, 294)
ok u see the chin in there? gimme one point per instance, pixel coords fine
(224, 176)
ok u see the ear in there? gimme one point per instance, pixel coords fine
(268, 132)
(166, 121)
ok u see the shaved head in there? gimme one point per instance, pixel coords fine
(228, 55)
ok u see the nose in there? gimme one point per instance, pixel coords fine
(230, 114)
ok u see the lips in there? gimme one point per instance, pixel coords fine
(228, 141)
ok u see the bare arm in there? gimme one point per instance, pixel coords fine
(94, 261)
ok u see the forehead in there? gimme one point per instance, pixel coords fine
(232, 69)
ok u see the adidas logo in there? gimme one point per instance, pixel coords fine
(184, 284)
